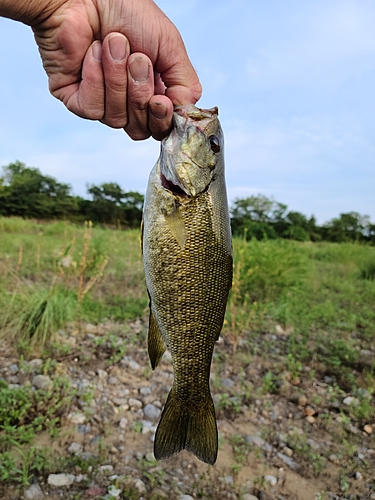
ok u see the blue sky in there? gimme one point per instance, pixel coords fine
(294, 82)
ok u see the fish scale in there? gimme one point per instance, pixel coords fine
(188, 266)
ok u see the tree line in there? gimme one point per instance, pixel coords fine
(26, 192)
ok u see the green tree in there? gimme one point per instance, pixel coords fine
(349, 226)
(258, 216)
(25, 192)
(111, 205)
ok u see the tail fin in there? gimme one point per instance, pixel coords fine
(183, 427)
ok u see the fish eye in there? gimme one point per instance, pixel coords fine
(214, 143)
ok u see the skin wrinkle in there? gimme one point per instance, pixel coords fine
(65, 30)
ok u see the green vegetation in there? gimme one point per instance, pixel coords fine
(26, 192)
(297, 311)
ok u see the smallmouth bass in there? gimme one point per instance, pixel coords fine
(187, 256)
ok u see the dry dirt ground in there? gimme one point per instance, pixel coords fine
(292, 438)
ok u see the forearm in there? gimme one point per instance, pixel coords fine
(29, 12)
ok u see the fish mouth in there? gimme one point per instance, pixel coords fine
(173, 188)
(177, 190)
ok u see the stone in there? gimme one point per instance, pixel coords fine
(288, 461)
(42, 382)
(94, 491)
(350, 400)
(33, 493)
(135, 403)
(140, 486)
(34, 364)
(77, 418)
(248, 486)
(272, 480)
(358, 475)
(247, 496)
(151, 411)
(120, 401)
(75, 448)
(314, 445)
(310, 419)
(133, 365)
(368, 429)
(102, 374)
(228, 383)
(60, 479)
(185, 497)
(308, 411)
(302, 400)
(14, 368)
(91, 328)
(106, 469)
(113, 381)
(123, 423)
(145, 391)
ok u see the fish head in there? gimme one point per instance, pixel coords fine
(192, 155)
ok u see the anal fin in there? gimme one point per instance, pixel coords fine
(156, 345)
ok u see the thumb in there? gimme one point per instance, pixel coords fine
(181, 80)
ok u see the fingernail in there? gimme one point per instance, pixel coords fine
(158, 110)
(117, 48)
(97, 51)
(138, 68)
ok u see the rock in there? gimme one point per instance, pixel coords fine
(151, 411)
(120, 402)
(14, 368)
(91, 328)
(77, 418)
(80, 477)
(75, 448)
(102, 374)
(145, 391)
(185, 497)
(123, 423)
(94, 491)
(308, 411)
(368, 429)
(285, 388)
(135, 403)
(272, 480)
(113, 381)
(33, 493)
(60, 479)
(248, 486)
(42, 382)
(133, 365)
(358, 475)
(34, 364)
(228, 383)
(247, 496)
(312, 444)
(288, 461)
(310, 419)
(350, 400)
(302, 400)
(106, 469)
(140, 486)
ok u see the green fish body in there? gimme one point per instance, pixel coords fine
(187, 255)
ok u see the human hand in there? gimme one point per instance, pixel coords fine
(121, 62)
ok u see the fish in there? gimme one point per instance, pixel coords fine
(187, 257)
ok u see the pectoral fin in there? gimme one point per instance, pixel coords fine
(156, 346)
(177, 227)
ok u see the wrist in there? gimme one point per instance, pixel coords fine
(29, 12)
